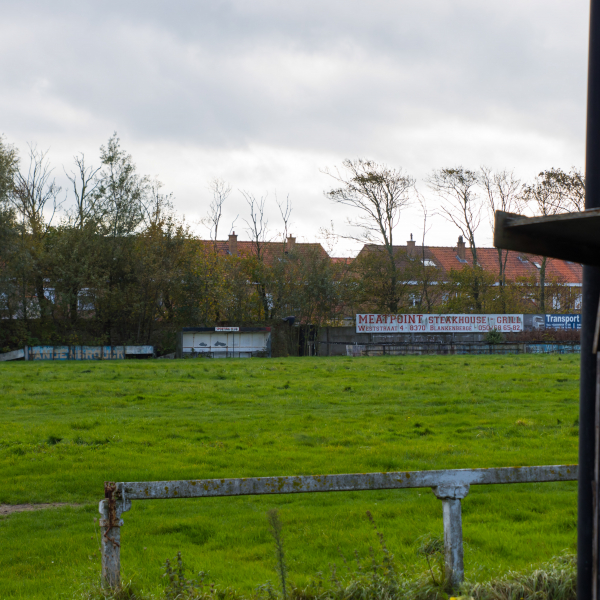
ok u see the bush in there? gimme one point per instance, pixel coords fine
(493, 336)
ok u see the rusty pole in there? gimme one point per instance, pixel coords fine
(111, 509)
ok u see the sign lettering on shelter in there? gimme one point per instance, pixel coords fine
(421, 323)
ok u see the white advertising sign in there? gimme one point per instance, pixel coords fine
(371, 323)
(227, 328)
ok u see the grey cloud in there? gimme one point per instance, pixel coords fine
(311, 74)
(419, 83)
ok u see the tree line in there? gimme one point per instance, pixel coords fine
(119, 265)
(465, 198)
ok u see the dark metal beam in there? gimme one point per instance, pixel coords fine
(571, 236)
(587, 572)
(577, 237)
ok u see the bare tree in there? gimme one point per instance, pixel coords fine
(429, 273)
(257, 227)
(461, 205)
(220, 191)
(285, 210)
(503, 191)
(329, 237)
(35, 193)
(378, 193)
(85, 183)
(258, 224)
(158, 206)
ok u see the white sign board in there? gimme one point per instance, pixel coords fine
(227, 328)
(371, 323)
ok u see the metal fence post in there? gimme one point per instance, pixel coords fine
(111, 509)
(451, 495)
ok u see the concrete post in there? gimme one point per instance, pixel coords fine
(451, 495)
(111, 509)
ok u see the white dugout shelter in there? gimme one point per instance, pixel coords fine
(224, 342)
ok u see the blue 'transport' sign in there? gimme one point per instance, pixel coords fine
(563, 321)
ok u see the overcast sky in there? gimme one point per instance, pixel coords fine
(265, 94)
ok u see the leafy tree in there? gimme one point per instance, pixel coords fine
(372, 269)
(553, 192)
(9, 163)
(35, 199)
(378, 194)
(162, 255)
(469, 290)
(121, 200)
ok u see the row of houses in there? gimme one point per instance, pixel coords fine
(441, 259)
(444, 259)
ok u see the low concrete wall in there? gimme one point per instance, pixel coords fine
(78, 353)
(333, 340)
(14, 355)
(419, 349)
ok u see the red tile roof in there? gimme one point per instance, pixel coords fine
(446, 258)
(269, 250)
(342, 260)
(518, 264)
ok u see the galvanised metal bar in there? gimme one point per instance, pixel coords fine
(587, 553)
(450, 486)
(202, 488)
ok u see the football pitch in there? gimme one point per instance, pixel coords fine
(66, 427)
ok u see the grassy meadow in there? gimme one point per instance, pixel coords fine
(66, 427)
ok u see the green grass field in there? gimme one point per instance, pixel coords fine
(65, 428)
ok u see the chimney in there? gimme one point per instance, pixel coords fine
(291, 241)
(460, 248)
(233, 244)
(410, 246)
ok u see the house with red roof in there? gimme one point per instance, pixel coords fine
(268, 251)
(518, 267)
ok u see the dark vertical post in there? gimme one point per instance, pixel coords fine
(586, 584)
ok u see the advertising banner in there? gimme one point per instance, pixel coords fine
(371, 323)
(563, 321)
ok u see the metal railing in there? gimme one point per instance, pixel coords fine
(450, 486)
